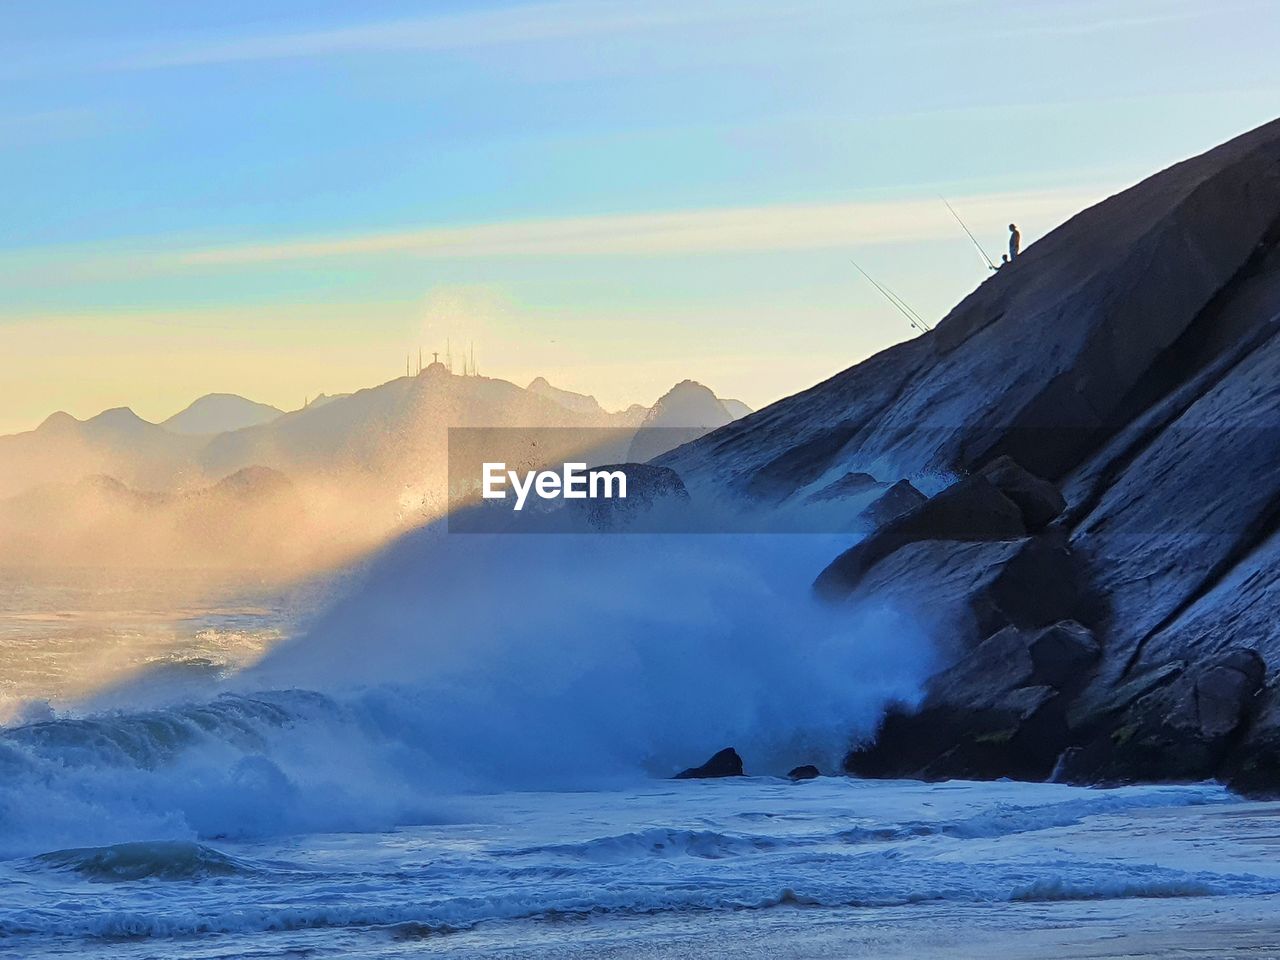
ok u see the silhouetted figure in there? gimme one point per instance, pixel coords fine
(1004, 262)
(1015, 241)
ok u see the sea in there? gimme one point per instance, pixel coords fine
(387, 762)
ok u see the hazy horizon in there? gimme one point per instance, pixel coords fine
(412, 358)
(281, 203)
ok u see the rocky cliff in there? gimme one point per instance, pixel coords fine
(1102, 566)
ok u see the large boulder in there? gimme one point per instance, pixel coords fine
(998, 711)
(1179, 730)
(1039, 500)
(875, 503)
(1252, 765)
(964, 592)
(1057, 656)
(724, 763)
(1013, 733)
(971, 510)
(1061, 655)
(894, 501)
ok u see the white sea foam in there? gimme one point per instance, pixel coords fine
(670, 848)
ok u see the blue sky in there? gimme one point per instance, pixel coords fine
(281, 198)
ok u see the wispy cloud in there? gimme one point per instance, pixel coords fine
(758, 229)
(495, 26)
(725, 230)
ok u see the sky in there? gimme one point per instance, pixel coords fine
(282, 198)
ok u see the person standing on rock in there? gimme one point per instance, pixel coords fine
(1015, 241)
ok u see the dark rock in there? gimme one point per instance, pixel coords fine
(1058, 656)
(1253, 765)
(898, 499)
(964, 592)
(726, 763)
(947, 587)
(1061, 655)
(1225, 690)
(1179, 730)
(1041, 584)
(999, 711)
(1039, 500)
(970, 510)
(807, 772)
(1016, 733)
(876, 503)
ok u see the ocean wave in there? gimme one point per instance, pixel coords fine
(152, 738)
(235, 766)
(416, 686)
(144, 860)
(430, 913)
(1006, 820)
(657, 842)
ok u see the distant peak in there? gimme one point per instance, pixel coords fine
(221, 398)
(61, 420)
(116, 416)
(686, 389)
(577, 402)
(219, 412)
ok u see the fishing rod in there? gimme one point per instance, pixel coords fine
(917, 322)
(990, 262)
(924, 323)
(913, 318)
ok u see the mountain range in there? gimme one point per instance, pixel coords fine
(372, 461)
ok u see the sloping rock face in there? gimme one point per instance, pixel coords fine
(1111, 400)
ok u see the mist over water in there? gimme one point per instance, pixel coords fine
(537, 659)
(485, 662)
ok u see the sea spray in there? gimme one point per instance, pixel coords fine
(456, 662)
(556, 660)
